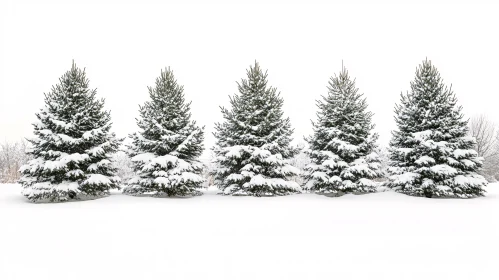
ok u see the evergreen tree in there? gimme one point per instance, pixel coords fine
(166, 149)
(431, 154)
(342, 147)
(253, 143)
(73, 145)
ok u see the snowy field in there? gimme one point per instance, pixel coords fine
(376, 236)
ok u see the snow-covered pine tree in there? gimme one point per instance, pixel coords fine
(253, 142)
(430, 152)
(73, 146)
(166, 148)
(342, 147)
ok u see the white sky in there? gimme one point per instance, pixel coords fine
(210, 44)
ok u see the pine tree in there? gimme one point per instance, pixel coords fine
(342, 147)
(73, 146)
(431, 154)
(166, 149)
(253, 142)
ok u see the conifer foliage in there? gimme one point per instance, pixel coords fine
(431, 154)
(342, 147)
(73, 145)
(166, 148)
(253, 142)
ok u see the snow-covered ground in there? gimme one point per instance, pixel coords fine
(375, 236)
